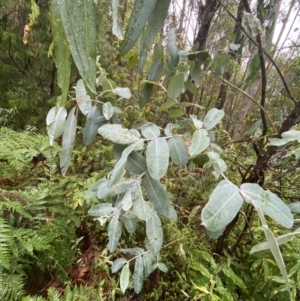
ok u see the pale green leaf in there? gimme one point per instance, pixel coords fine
(212, 118)
(162, 267)
(197, 123)
(178, 151)
(129, 223)
(83, 100)
(79, 22)
(139, 17)
(200, 142)
(141, 208)
(154, 232)
(155, 70)
(223, 205)
(126, 201)
(172, 48)
(93, 122)
(150, 130)
(146, 95)
(176, 86)
(108, 110)
(104, 209)
(295, 207)
(217, 163)
(68, 141)
(167, 105)
(157, 158)
(138, 275)
(56, 120)
(176, 113)
(269, 203)
(124, 277)
(118, 264)
(122, 92)
(251, 24)
(134, 251)
(117, 134)
(116, 27)
(114, 233)
(147, 261)
(104, 190)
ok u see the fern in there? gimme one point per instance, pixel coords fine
(5, 244)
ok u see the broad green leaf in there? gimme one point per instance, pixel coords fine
(223, 205)
(121, 187)
(142, 209)
(197, 266)
(295, 207)
(286, 138)
(155, 22)
(122, 92)
(56, 120)
(218, 164)
(157, 158)
(126, 201)
(80, 27)
(155, 70)
(114, 233)
(129, 223)
(146, 95)
(92, 191)
(212, 118)
(143, 59)
(172, 48)
(108, 110)
(139, 17)
(214, 234)
(269, 203)
(167, 105)
(176, 86)
(158, 52)
(136, 163)
(200, 142)
(158, 196)
(104, 209)
(118, 264)
(138, 275)
(83, 100)
(251, 24)
(190, 86)
(195, 74)
(93, 122)
(134, 251)
(154, 232)
(60, 51)
(150, 130)
(68, 141)
(178, 151)
(176, 113)
(116, 27)
(119, 169)
(117, 134)
(124, 277)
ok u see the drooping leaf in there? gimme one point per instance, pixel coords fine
(60, 50)
(147, 261)
(55, 120)
(104, 209)
(119, 169)
(143, 59)
(150, 130)
(176, 86)
(114, 233)
(223, 205)
(269, 203)
(138, 20)
(122, 92)
(178, 151)
(124, 277)
(254, 68)
(157, 158)
(221, 63)
(154, 232)
(117, 134)
(155, 22)
(108, 110)
(83, 99)
(146, 95)
(138, 275)
(80, 27)
(116, 27)
(155, 70)
(93, 122)
(212, 118)
(68, 141)
(158, 196)
(172, 48)
(200, 141)
(118, 264)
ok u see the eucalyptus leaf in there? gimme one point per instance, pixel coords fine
(124, 277)
(83, 99)
(116, 27)
(172, 48)
(104, 190)
(295, 207)
(104, 209)
(150, 130)
(118, 264)
(154, 232)
(122, 92)
(68, 141)
(157, 158)
(200, 142)
(223, 205)
(176, 86)
(178, 151)
(108, 110)
(56, 120)
(114, 233)
(138, 275)
(212, 118)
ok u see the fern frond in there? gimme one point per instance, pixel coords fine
(11, 286)
(5, 244)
